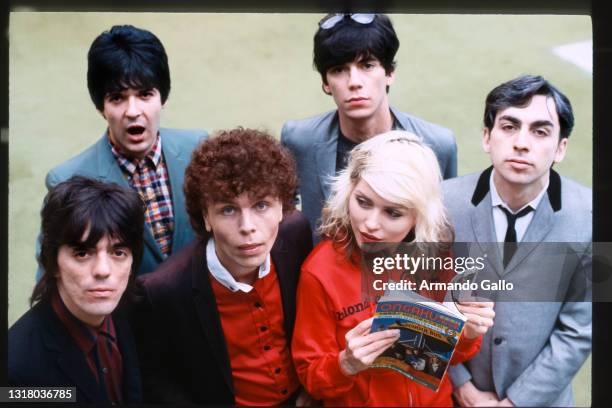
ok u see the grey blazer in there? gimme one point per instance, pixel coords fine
(314, 143)
(534, 349)
(98, 162)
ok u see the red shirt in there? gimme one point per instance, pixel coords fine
(262, 368)
(329, 304)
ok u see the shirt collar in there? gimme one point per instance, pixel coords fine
(131, 163)
(222, 275)
(496, 199)
(84, 335)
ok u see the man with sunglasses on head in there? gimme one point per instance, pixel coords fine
(128, 78)
(354, 54)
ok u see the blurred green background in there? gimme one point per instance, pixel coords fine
(255, 70)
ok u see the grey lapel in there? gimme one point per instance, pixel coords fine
(108, 169)
(484, 233)
(401, 119)
(325, 156)
(174, 162)
(482, 223)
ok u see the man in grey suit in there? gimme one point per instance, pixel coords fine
(538, 344)
(354, 54)
(129, 81)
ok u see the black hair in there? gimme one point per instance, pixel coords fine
(126, 57)
(349, 40)
(519, 91)
(80, 205)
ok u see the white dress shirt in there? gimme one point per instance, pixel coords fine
(499, 218)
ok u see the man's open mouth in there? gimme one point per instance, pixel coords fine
(136, 130)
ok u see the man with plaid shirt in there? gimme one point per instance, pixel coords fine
(129, 81)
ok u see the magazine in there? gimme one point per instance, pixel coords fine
(429, 332)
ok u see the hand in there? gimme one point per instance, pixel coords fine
(505, 403)
(363, 347)
(480, 317)
(467, 395)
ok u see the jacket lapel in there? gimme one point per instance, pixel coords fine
(132, 388)
(401, 119)
(70, 359)
(174, 164)
(482, 222)
(108, 169)
(206, 308)
(281, 259)
(325, 155)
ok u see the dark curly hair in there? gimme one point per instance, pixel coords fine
(233, 162)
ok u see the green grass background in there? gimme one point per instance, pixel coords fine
(255, 70)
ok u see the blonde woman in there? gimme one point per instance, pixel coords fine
(389, 192)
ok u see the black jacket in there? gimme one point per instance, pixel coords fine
(182, 347)
(41, 353)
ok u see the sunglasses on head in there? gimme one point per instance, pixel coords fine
(331, 20)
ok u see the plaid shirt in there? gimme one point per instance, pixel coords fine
(149, 177)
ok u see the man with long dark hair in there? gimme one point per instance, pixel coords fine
(91, 244)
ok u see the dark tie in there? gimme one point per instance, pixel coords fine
(510, 239)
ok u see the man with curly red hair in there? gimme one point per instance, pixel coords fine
(214, 323)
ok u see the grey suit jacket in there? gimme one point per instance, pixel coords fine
(534, 349)
(314, 143)
(97, 161)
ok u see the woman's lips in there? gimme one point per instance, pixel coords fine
(368, 238)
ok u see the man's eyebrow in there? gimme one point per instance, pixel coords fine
(119, 244)
(541, 123)
(223, 202)
(512, 119)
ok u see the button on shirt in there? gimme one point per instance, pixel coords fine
(149, 176)
(500, 219)
(252, 321)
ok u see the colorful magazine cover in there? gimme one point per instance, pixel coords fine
(429, 332)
